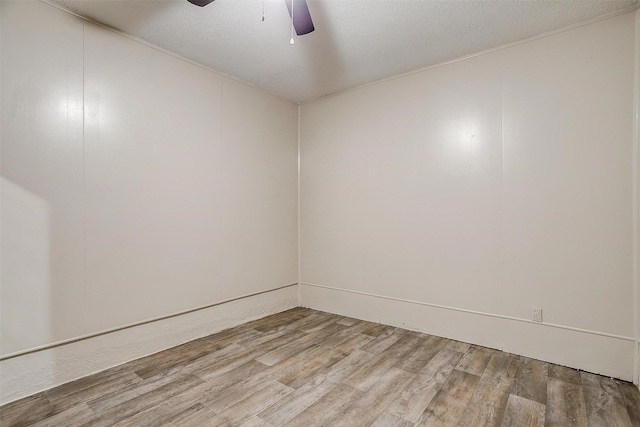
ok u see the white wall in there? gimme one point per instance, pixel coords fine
(134, 185)
(454, 199)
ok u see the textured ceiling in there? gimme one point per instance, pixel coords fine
(355, 42)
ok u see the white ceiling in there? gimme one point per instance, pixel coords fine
(355, 42)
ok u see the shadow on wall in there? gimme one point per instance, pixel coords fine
(25, 270)
(137, 15)
(42, 279)
(320, 46)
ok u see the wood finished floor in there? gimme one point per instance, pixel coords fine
(308, 368)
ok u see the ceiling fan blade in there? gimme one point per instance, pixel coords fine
(200, 3)
(301, 17)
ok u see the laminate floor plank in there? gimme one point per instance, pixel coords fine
(183, 353)
(339, 337)
(165, 410)
(195, 415)
(142, 402)
(30, 413)
(522, 412)
(288, 350)
(290, 406)
(22, 412)
(312, 318)
(422, 354)
(251, 405)
(348, 321)
(631, 399)
(488, 403)
(565, 404)
(240, 373)
(311, 367)
(103, 402)
(327, 330)
(326, 408)
(90, 384)
(445, 358)
(449, 403)
(460, 346)
(475, 360)
(237, 392)
(280, 320)
(257, 380)
(364, 410)
(76, 414)
(267, 337)
(183, 357)
(195, 365)
(531, 380)
(321, 324)
(356, 342)
(415, 398)
(249, 354)
(345, 367)
(303, 367)
(298, 345)
(373, 329)
(381, 343)
(604, 404)
(565, 374)
(256, 421)
(234, 333)
(372, 371)
(288, 368)
(115, 385)
(388, 420)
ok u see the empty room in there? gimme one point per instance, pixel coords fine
(319, 213)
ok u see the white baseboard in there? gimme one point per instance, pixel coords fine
(36, 371)
(591, 351)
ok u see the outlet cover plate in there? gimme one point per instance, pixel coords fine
(536, 314)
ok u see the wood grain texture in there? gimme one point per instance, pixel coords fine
(371, 404)
(289, 407)
(422, 354)
(388, 420)
(565, 404)
(631, 399)
(449, 403)
(76, 414)
(418, 394)
(256, 421)
(603, 401)
(194, 416)
(475, 360)
(308, 368)
(523, 413)
(326, 408)
(488, 403)
(565, 374)
(531, 380)
(243, 410)
(369, 374)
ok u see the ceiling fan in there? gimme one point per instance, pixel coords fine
(298, 10)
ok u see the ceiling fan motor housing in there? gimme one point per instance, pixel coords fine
(201, 3)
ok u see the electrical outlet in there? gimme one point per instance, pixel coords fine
(536, 314)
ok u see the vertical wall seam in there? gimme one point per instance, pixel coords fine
(298, 216)
(221, 124)
(634, 198)
(84, 169)
(502, 208)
